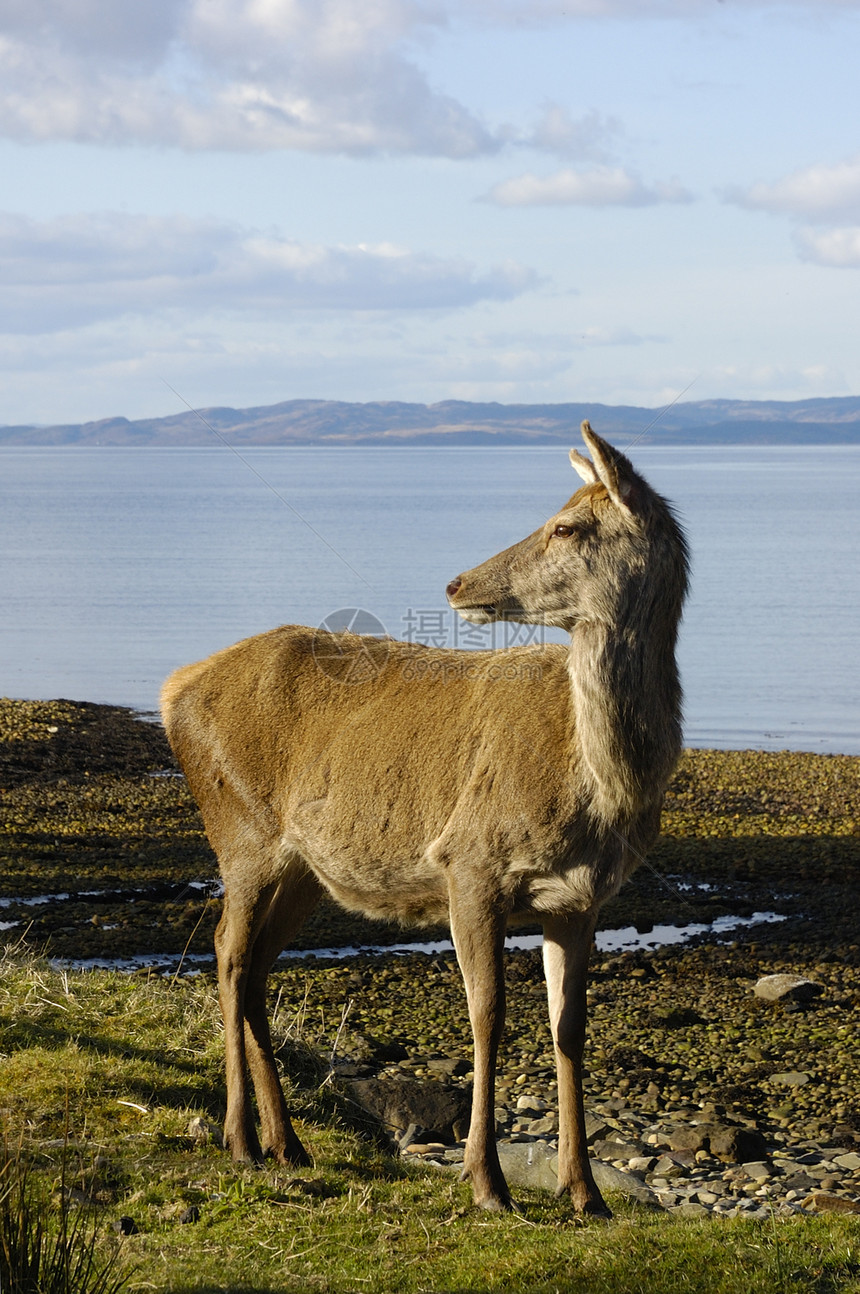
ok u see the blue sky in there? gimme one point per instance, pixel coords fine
(514, 200)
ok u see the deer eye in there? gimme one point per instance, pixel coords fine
(562, 532)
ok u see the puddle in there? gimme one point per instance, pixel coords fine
(170, 889)
(42, 898)
(626, 939)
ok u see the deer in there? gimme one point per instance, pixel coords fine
(423, 784)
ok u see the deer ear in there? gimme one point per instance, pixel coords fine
(612, 469)
(584, 467)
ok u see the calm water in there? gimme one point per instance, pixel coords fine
(118, 564)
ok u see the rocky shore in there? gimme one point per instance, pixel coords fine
(703, 1097)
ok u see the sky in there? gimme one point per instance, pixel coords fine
(238, 202)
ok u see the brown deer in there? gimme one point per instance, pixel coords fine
(428, 784)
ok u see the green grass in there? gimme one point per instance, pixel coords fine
(48, 1246)
(101, 1073)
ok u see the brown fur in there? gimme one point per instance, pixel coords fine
(421, 784)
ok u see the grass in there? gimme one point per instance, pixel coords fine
(100, 1075)
(46, 1247)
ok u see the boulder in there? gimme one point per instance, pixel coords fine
(529, 1163)
(737, 1145)
(440, 1111)
(535, 1164)
(786, 988)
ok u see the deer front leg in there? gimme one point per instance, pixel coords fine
(566, 949)
(297, 896)
(478, 932)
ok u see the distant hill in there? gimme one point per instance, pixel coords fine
(459, 422)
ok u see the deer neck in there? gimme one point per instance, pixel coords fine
(626, 703)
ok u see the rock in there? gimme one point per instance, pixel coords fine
(595, 1127)
(669, 1017)
(441, 1111)
(737, 1145)
(791, 1078)
(608, 1149)
(758, 1170)
(786, 988)
(535, 1164)
(667, 1166)
(363, 1046)
(696, 1137)
(544, 1127)
(448, 1066)
(845, 1132)
(609, 1178)
(531, 1103)
(641, 1164)
(531, 1163)
(850, 1162)
(202, 1130)
(125, 1227)
(825, 1202)
(798, 1182)
(625, 1058)
(191, 1214)
(351, 1069)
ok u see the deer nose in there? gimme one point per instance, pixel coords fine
(454, 587)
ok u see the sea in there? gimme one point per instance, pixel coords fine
(119, 564)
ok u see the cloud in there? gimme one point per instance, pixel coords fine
(838, 248)
(604, 186)
(232, 74)
(544, 12)
(557, 132)
(818, 193)
(248, 75)
(77, 270)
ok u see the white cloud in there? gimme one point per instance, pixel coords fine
(602, 187)
(76, 270)
(537, 12)
(838, 248)
(817, 192)
(233, 74)
(557, 132)
(247, 75)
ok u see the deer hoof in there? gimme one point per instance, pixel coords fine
(589, 1203)
(294, 1156)
(496, 1204)
(245, 1154)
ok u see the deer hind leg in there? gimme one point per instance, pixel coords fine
(253, 884)
(296, 897)
(478, 931)
(566, 948)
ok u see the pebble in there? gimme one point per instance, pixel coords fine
(807, 1177)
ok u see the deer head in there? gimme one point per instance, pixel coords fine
(590, 561)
